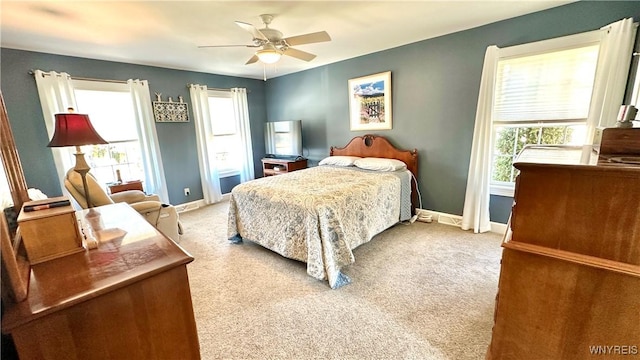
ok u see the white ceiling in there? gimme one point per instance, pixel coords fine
(168, 33)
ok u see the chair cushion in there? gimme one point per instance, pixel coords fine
(98, 195)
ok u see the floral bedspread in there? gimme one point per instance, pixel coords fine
(318, 215)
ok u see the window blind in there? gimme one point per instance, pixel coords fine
(546, 87)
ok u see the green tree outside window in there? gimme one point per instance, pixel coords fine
(511, 140)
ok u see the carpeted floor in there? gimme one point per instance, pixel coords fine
(420, 291)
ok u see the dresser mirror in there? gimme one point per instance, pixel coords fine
(15, 268)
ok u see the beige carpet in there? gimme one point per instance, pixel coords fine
(420, 291)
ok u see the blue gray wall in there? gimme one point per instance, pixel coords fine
(434, 84)
(435, 91)
(177, 140)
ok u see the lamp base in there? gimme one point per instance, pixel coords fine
(83, 168)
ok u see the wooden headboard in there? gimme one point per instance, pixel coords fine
(379, 146)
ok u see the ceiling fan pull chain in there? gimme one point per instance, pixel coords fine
(264, 71)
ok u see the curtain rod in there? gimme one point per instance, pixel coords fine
(31, 72)
(218, 89)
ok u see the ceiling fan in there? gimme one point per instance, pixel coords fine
(273, 45)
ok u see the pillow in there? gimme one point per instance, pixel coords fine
(380, 164)
(339, 160)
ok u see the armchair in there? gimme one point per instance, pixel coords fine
(163, 216)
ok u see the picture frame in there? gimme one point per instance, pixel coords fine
(370, 102)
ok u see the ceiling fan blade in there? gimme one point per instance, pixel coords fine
(214, 46)
(299, 54)
(253, 30)
(316, 37)
(253, 59)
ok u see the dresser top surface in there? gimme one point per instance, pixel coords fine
(129, 249)
(617, 148)
(580, 156)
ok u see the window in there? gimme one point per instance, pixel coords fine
(542, 96)
(110, 109)
(225, 141)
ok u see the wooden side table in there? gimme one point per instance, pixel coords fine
(129, 185)
(271, 166)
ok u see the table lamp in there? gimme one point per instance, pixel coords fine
(73, 129)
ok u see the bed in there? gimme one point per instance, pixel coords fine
(321, 214)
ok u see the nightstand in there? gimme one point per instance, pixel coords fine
(271, 166)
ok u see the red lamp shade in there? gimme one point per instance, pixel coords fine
(74, 130)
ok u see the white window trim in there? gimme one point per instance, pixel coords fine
(106, 86)
(224, 173)
(219, 93)
(100, 85)
(228, 173)
(505, 189)
(555, 44)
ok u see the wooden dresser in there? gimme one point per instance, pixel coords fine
(127, 299)
(569, 283)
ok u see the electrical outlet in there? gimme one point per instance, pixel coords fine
(187, 191)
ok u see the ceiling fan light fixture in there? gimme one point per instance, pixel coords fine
(268, 56)
(273, 45)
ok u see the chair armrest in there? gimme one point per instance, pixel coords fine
(133, 196)
(152, 197)
(129, 196)
(146, 206)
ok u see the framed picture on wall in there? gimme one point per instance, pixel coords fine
(370, 102)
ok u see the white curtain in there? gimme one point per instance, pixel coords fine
(148, 139)
(614, 60)
(56, 96)
(475, 214)
(204, 135)
(241, 113)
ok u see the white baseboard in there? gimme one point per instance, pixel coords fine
(456, 220)
(499, 228)
(192, 205)
(189, 206)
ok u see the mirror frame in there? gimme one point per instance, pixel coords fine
(11, 160)
(15, 269)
